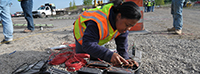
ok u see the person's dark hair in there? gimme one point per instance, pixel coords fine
(128, 10)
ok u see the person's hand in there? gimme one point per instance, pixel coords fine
(117, 59)
(132, 62)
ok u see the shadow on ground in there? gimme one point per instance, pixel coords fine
(11, 61)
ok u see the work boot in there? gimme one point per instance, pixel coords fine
(6, 41)
(179, 32)
(27, 31)
(171, 29)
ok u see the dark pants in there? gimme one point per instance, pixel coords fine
(148, 8)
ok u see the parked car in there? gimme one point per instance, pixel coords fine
(19, 14)
(197, 3)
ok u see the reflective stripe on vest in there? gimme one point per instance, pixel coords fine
(98, 7)
(100, 16)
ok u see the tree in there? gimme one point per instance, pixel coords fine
(87, 2)
(74, 5)
(167, 1)
(70, 5)
(159, 2)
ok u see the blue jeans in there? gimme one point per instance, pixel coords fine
(27, 6)
(176, 11)
(152, 8)
(145, 9)
(6, 20)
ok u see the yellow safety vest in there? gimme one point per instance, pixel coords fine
(149, 4)
(83, 9)
(100, 16)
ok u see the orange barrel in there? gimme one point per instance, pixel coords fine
(138, 26)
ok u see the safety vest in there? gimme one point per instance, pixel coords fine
(149, 4)
(19, 0)
(83, 9)
(100, 16)
(145, 4)
(152, 3)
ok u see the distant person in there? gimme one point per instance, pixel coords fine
(149, 6)
(5, 17)
(145, 6)
(52, 7)
(184, 4)
(152, 6)
(176, 11)
(27, 6)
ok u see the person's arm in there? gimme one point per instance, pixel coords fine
(90, 43)
(122, 45)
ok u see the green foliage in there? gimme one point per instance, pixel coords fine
(74, 5)
(159, 2)
(71, 7)
(168, 1)
(87, 2)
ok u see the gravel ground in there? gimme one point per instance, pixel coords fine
(163, 52)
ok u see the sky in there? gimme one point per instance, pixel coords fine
(37, 3)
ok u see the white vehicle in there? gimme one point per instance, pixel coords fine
(18, 14)
(49, 9)
(44, 11)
